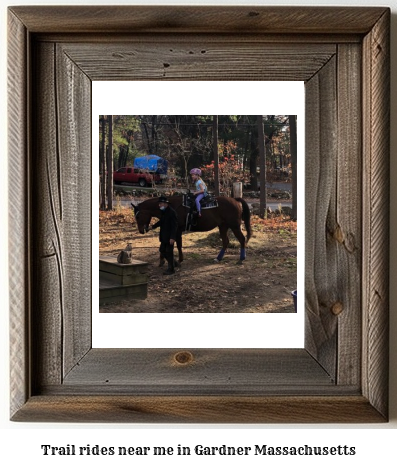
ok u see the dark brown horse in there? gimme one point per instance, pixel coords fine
(229, 214)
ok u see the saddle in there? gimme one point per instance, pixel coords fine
(189, 199)
(207, 202)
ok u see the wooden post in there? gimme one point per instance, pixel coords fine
(110, 164)
(237, 190)
(262, 168)
(294, 152)
(216, 155)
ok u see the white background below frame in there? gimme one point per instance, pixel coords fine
(199, 330)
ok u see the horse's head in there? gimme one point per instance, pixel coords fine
(142, 217)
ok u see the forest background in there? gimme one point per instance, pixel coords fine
(254, 150)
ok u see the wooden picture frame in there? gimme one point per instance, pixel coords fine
(342, 54)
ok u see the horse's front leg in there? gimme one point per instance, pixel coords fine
(162, 260)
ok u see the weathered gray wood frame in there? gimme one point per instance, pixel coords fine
(342, 54)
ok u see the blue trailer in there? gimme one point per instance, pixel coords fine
(152, 163)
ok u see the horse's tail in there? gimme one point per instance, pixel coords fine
(246, 217)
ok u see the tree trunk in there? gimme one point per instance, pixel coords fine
(103, 165)
(185, 160)
(148, 144)
(127, 151)
(253, 160)
(120, 159)
(123, 156)
(216, 155)
(262, 168)
(294, 152)
(110, 164)
(246, 147)
(153, 146)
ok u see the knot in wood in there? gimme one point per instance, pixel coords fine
(337, 308)
(183, 358)
(338, 235)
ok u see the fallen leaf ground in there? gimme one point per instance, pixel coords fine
(262, 284)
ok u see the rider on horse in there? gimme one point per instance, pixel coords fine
(201, 188)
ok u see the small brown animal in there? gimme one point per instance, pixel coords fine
(125, 256)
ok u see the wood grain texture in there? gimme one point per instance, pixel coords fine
(199, 409)
(73, 89)
(244, 369)
(376, 92)
(321, 279)
(63, 223)
(338, 378)
(141, 59)
(19, 256)
(346, 228)
(199, 19)
(48, 282)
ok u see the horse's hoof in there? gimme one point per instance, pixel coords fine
(216, 260)
(240, 262)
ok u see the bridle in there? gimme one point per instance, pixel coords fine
(136, 211)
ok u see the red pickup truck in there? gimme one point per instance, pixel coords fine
(135, 175)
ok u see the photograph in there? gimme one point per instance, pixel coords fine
(197, 213)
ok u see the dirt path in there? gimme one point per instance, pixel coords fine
(262, 284)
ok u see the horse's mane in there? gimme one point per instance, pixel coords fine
(152, 203)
